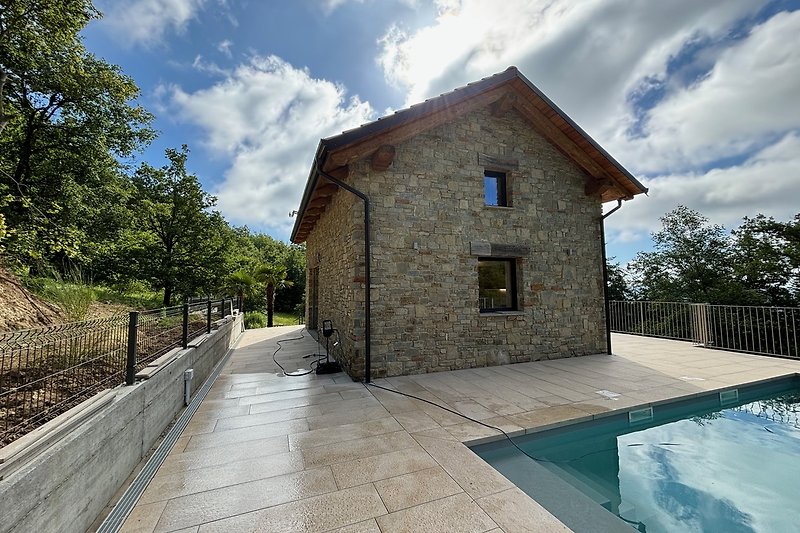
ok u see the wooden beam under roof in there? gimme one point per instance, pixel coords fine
(383, 157)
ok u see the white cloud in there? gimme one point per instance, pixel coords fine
(225, 47)
(767, 183)
(749, 96)
(267, 118)
(567, 48)
(147, 22)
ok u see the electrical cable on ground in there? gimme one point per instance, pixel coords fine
(296, 373)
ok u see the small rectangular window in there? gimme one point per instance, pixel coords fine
(494, 188)
(497, 290)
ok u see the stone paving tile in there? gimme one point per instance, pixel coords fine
(368, 526)
(239, 435)
(332, 435)
(561, 414)
(454, 513)
(279, 405)
(205, 457)
(319, 513)
(269, 417)
(416, 488)
(476, 478)
(220, 412)
(377, 467)
(143, 518)
(357, 449)
(513, 510)
(470, 431)
(415, 421)
(176, 484)
(350, 416)
(196, 509)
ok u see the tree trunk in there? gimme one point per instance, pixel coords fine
(270, 304)
(167, 295)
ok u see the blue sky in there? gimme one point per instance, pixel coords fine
(698, 99)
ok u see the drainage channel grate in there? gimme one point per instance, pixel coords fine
(126, 503)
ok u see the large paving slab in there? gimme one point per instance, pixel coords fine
(270, 452)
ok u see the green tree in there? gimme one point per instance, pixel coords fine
(617, 284)
(692, 261)
(273, 276)
(181, 245)
(67, 119)
(240, 283)
(767, 258)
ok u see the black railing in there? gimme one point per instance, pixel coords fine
(741, 328)
(46, 371)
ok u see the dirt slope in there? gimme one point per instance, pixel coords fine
(21, 309)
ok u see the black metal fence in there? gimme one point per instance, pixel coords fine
(742, 328)
(46, 371)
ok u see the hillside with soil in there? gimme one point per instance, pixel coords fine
(22, 309)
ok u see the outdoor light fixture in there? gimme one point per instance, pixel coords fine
(329, 367)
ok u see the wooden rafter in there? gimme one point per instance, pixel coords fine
(383, 157)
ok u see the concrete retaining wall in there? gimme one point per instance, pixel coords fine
(68, 485)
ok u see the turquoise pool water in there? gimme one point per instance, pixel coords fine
(698, 465)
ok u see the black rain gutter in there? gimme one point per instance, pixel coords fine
(317, 171)
(605, 275)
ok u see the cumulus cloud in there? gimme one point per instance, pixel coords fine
(748, 98)
(146, 22)
(767, 183)
(607, 47)
(266, 117)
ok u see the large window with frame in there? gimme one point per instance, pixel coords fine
(497, 284)
(495, 189)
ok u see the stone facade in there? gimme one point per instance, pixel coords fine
(429, 226)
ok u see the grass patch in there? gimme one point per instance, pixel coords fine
(254, 320)
(73, 298)
(134, 297)
(282, 318)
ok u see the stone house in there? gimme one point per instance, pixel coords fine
(484, 233)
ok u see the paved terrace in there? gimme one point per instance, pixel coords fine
(321, 453)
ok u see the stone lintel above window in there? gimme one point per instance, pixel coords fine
(489, 249)
(498, 162)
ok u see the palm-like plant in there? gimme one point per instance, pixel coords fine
(240, 283)
(274, 277)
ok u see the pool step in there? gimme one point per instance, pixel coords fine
(580, 482)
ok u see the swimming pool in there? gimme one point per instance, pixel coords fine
(718, 462)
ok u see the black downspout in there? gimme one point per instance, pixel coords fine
(367, 339)
(605, 275)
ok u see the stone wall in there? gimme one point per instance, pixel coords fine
(428, 215)
(335, 249)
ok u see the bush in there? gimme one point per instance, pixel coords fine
(73, 298)
(255, 319)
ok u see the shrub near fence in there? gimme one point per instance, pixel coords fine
(46, 371)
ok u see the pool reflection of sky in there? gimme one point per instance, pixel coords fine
(732, 471)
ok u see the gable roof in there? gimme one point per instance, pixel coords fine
(503, 91)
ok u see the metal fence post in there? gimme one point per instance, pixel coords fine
(133, 330)
(208, 316)
(641, 316)
(185, 326)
